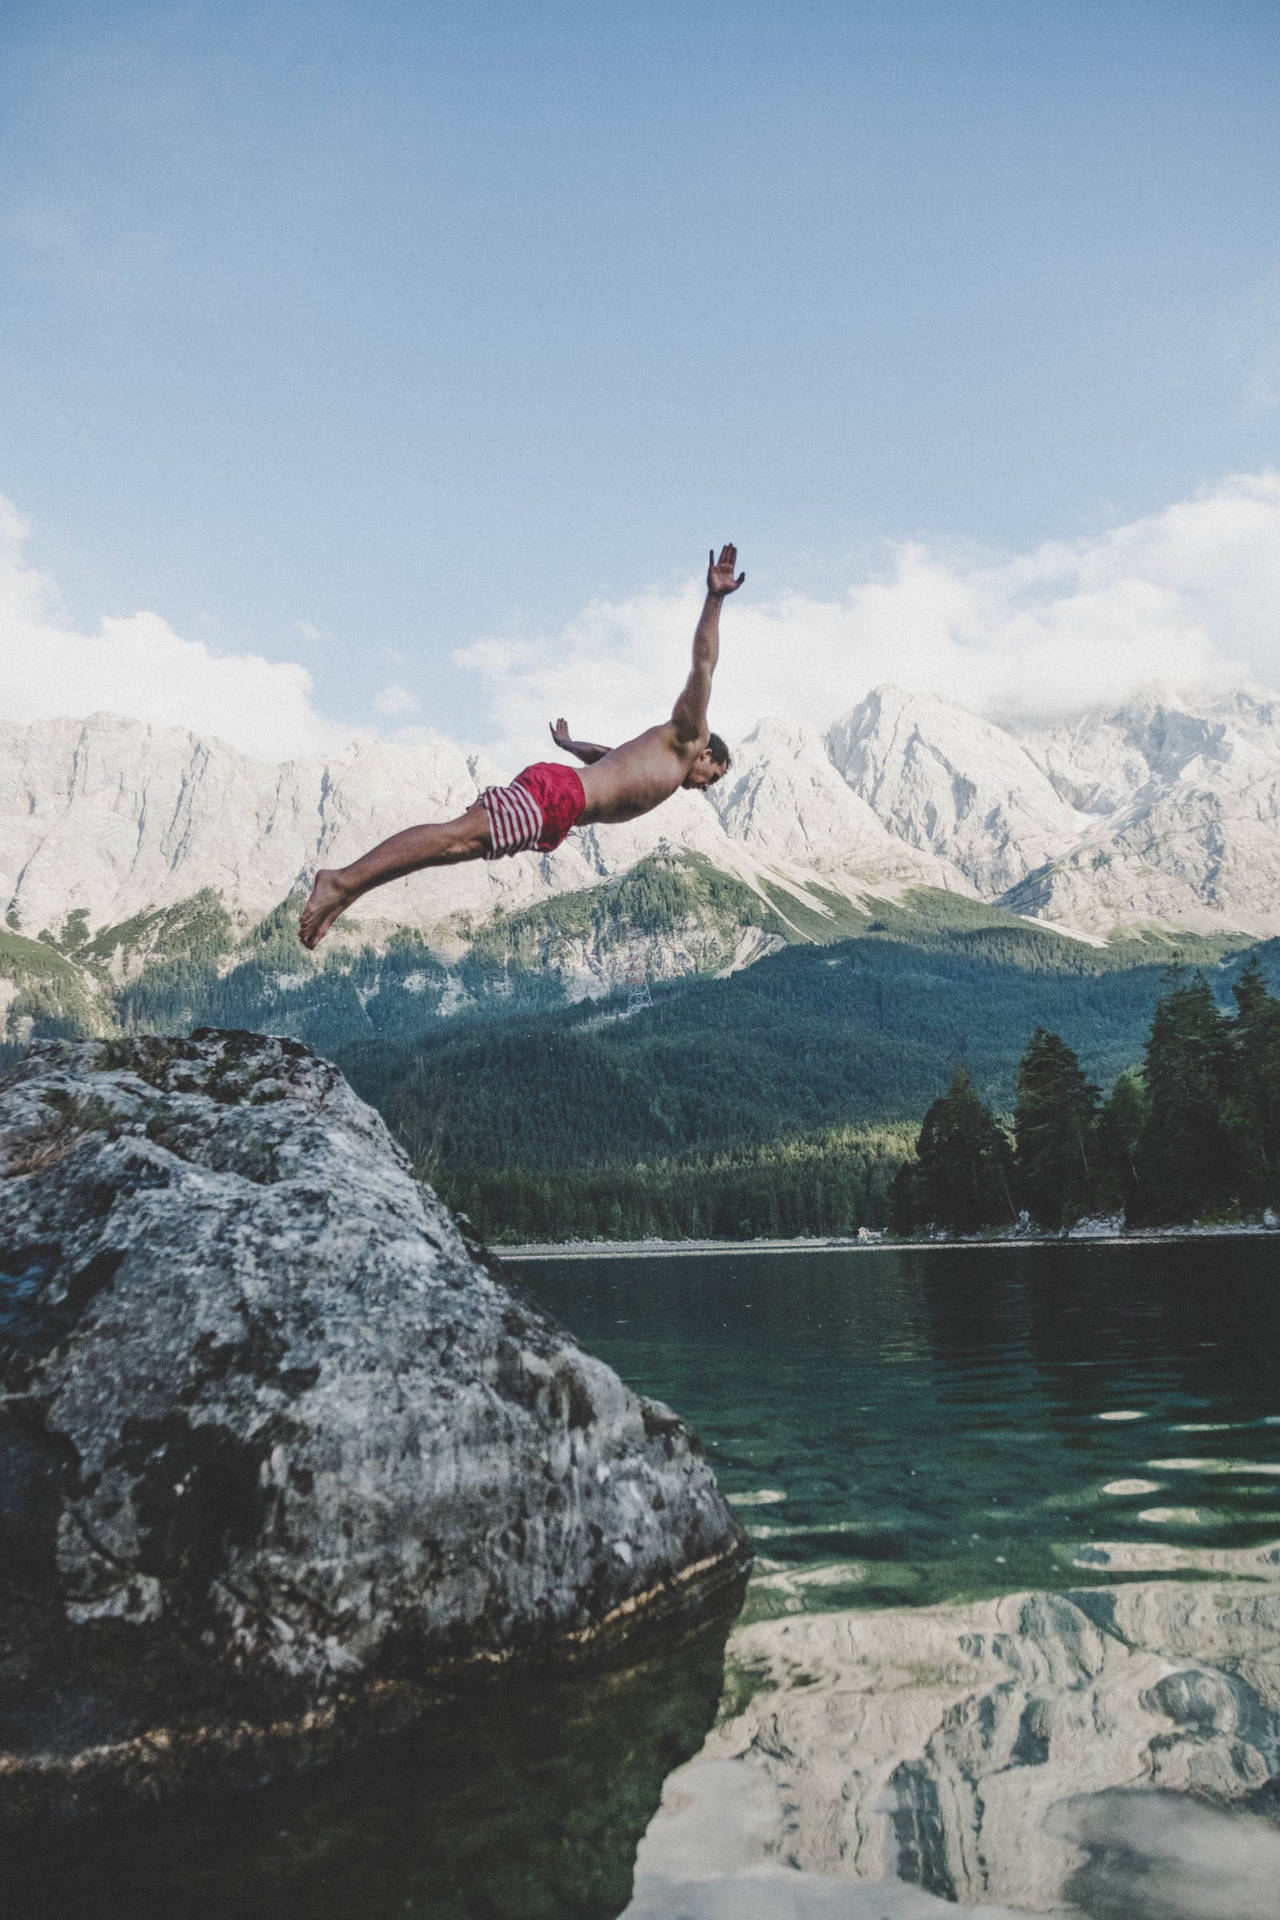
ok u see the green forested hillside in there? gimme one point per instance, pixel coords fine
(518, 1120)
(188, 965)
(43, 989)
(663, 893)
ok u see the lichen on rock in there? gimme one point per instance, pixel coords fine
(281, 1447)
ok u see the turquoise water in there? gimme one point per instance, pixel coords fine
(1012, 1640)
(948, 1423)
(1017, 1595)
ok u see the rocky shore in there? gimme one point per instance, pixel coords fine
(877, 1242)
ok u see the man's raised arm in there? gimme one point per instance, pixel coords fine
(689, 715)
(585, 750)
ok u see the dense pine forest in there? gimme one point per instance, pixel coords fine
(1190, 1133)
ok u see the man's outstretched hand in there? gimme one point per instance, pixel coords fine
(720, 580)
(561, 735)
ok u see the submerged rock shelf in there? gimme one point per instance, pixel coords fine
(285, 1452)
(1105, 1752)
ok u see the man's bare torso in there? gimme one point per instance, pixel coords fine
(638, 775)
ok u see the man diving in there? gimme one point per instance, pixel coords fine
(537, 810)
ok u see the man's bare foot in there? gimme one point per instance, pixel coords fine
(327, 901)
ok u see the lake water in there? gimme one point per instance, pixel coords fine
(948, 1423)
(1012, 1639)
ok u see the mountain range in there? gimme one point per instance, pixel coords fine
(1155, 814)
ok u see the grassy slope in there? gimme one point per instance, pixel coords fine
(186, 966)
(195, 930)
(862, 1031)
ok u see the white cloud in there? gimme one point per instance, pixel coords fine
(139, 666)
(396, 703)
(1184, 598)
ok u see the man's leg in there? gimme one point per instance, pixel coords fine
(440, 844)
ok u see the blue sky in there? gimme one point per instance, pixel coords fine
(351, 338)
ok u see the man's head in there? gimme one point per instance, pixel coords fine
(711, 765)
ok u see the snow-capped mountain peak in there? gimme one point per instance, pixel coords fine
(941, 778)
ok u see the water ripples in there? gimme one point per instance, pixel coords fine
(977, 1419)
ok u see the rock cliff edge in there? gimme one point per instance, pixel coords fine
(282, 1450)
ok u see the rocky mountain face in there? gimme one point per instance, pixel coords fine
(943, 780)
(1156, 812)
(1152, 813)
(788, 801)
(1185, 827)
(283, 1448)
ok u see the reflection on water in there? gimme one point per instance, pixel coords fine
(526, 1805)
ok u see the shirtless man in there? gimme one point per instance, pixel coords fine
(537, 810)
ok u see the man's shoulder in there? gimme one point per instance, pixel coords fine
(665, 737)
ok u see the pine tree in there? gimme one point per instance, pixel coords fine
(1251, 1110)
(1115, 1145)
(965, 1161)
(905, 1199)
(1053, 1123)
(1185, 1162)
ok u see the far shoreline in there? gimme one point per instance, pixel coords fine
(836, 1243)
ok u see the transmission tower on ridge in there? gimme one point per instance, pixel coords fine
(638, 994)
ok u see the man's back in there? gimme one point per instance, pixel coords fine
(638, 775)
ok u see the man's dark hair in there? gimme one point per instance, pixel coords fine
(719, 752)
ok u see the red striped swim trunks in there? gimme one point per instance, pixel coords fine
(535, 812)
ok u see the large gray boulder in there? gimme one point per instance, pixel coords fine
(282, 1450)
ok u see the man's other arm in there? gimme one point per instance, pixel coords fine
(689, 715)
(585, 750)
